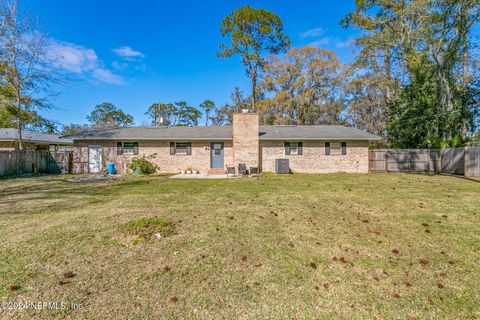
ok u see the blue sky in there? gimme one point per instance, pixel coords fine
(135, 53)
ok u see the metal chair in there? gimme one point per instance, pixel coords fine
(230, 171)
(254, 171)
(242, 169)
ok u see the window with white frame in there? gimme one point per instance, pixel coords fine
(180, 148)
(293, 148)
(127, 147)
(335, 148)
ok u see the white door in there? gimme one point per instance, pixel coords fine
(94, 159)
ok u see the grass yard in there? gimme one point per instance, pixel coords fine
(301, 246)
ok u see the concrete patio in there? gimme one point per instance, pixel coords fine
(203, 176)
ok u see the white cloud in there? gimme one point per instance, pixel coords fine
(348, 43)
(333, 42)
(72, 57)
(80, 60)
(315, 32)
(322, 42)
(128, 53)
(107, 76)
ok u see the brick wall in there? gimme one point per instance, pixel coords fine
(314, 159)
(245, 139)
(13, 145)
(198, 160)
(8, 145)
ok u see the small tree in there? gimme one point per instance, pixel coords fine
(207, 107)
(107, 115)
(26, 76)
(252, 33)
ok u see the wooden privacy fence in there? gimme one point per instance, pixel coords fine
(464, 161)
(14, 163)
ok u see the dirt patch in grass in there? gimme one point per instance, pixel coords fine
(146, 229)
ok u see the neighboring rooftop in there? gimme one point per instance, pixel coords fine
(11, 134)
(321, 132)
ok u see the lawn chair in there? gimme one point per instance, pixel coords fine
(254, 171)
(242, 169)
(230, 171)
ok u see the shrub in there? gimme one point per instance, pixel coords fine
(143, 164)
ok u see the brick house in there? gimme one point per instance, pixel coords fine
(310, 149)
(32, 140)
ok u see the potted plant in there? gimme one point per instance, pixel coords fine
(195, 171)
(182, 171)
(189, 171)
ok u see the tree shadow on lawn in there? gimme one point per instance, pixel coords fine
(63, 194)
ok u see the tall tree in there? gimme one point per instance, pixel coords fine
(224, 115)
(72, 129)
(306, 84)
(187, 115)
(420, 48)
(156, 113)
(26, 76)
(208, 106)
(252, 33)
(108, 115)
(367, 108)
(162, 114)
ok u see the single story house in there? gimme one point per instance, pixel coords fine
(32, 140)
(310, 149)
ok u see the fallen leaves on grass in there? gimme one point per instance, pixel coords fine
(423, 262)
(13, 287)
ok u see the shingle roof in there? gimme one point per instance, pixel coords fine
(11, 134)
(322, 132)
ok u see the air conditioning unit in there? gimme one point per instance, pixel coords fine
(282, 166)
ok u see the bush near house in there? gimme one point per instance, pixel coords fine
(143, 164)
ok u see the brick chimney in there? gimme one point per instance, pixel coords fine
(246, 146)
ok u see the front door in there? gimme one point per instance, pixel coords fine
(94, 159)
(217, 155)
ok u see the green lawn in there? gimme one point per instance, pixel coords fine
(301, 246)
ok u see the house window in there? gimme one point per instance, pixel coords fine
(344, 148)
(127, 147)
(293, 148)
(181, 148)
(335, 148)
